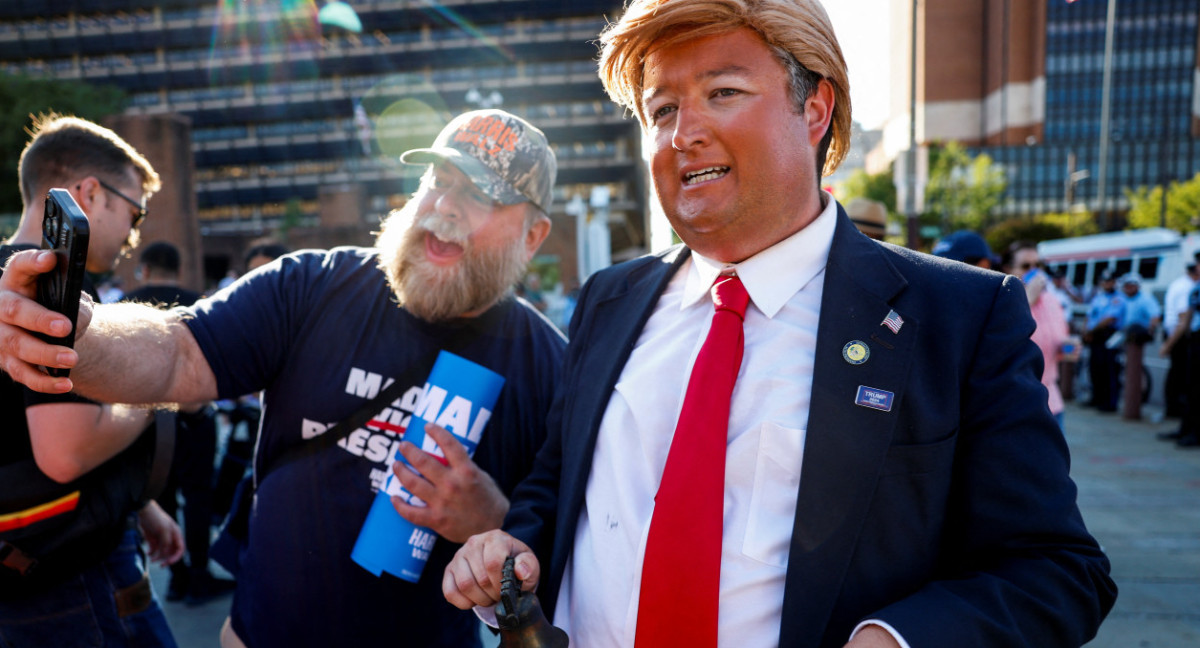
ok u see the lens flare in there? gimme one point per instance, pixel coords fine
(264, 40)
(405, 117)
(447, 16)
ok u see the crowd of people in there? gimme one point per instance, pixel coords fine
(1117, 313)
(769, 434)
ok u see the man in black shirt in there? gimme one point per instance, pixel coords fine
(158, 270)
(97, 584)
(195, 446)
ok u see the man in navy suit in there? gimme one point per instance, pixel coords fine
(892, 474)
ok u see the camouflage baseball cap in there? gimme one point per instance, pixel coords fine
(505, 156)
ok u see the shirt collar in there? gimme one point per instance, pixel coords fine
(775, 274)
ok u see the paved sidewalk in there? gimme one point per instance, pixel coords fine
(197, 626)
(1139, 496)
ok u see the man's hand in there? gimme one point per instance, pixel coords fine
(1035, 287)
(21, 352)
(461, 500)
(473, 576)
(872, 636)
(162, 534)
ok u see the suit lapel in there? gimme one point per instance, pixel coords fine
(615, 324)
(846, 442)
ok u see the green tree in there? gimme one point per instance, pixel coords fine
(1040, 228)
(876, 186)
(293, 215)
(1183, 206)
(22, 96)
(1072, 224)
(962, 190)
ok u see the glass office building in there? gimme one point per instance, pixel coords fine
(1155, 108)
(290, 100)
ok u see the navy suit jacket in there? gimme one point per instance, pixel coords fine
(951, 517)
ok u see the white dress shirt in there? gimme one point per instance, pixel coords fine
(598, 602)
(1176, 302)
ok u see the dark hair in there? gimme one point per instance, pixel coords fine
(270, 250)
(803, 82)
(1011, 252)
(161, 255)
(65, 149)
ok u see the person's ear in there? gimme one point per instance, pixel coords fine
(86, 192)
(536, 235)
(818, 111)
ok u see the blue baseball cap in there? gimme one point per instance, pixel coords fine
(963, 245)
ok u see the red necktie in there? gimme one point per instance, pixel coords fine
(681, 573)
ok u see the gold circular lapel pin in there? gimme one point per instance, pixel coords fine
(856, 352)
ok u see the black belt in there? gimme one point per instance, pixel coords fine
(129, 600)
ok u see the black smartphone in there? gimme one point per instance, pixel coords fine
(65, 231)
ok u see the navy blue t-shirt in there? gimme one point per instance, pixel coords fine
(321, 333)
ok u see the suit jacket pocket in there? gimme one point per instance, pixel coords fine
(921, 458)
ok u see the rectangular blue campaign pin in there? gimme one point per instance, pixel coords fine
(874, 398)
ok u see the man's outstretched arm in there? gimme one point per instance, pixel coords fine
(123, 352)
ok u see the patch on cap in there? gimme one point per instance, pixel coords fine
(505, 156)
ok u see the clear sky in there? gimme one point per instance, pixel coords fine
(863, 30)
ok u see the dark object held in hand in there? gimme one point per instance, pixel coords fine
(522, 624)
(65, 231)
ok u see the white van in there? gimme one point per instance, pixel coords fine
(1159, 255)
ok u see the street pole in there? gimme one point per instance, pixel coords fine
(1073, 178)
(910, 179)
(1106, 109)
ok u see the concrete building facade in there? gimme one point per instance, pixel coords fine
(298, 109)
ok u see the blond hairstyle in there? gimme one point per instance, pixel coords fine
(65, 149)
(798, 31)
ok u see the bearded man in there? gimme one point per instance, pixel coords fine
(322, 332)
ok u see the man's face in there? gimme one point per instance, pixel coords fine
(451, 251)
(1024, 260)
(733, 163)
(1130, 288)
(110, 219)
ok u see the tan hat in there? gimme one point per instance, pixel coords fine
(505, 156)
(869, 216)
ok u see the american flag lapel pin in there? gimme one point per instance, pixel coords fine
(893, 321)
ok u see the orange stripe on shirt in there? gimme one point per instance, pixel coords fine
(10, 521)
